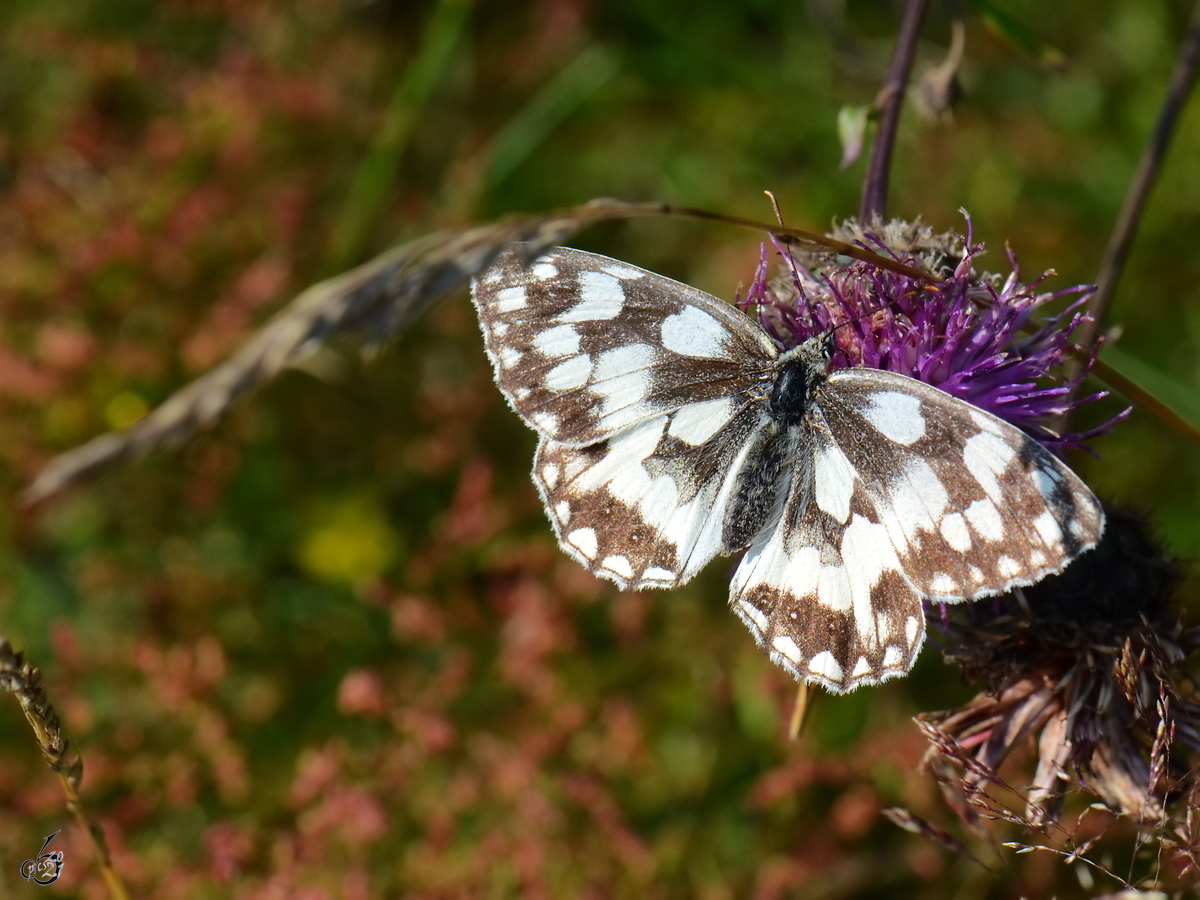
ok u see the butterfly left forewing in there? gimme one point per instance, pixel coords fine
(584, 346)
(973, 505)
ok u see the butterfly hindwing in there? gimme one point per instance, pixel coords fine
(822, 589)
(645, 507)
(584, 346)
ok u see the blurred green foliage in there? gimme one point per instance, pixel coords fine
(330, 649)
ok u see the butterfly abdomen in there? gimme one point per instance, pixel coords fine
(757, 486)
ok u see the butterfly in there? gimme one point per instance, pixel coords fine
(673, 429)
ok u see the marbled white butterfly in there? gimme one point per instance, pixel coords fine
(674, 429)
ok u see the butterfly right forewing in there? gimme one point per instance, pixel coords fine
(974, 506)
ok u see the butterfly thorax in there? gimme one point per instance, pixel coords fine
(799, 372)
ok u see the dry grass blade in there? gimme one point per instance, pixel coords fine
(797, 237)
(19, 678)
(1069, 856)
(913, 823)
(373, 302)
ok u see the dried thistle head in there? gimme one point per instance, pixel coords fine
(1088, 665)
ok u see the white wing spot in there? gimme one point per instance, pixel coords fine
(976, 574)
(574, 373)
(625, 273)
(1047, 480)
(584, 540)
(986, 456)
(1048, 528)
(910, 629)
(917, 501)
(986, 422)
(862, 667)
(1037, 558)
(510, 299)
(892, 657)
(897, 416)
(550, 473)
(954, 530)
(600, 297)
(509, 357)
(547, 422)
(499, 329)
(985, 519)
(694, 332)
(833, 590)
(1007, 567)
(788, 648)
(620, 377)
(618, 565)
(930, 491)
(834, 481)
(867, 553)
(562, 512)
(521, 393)
(944, 584)
(657, 573)
(557, 342)
(545, 271)
(825, 665)
(697, 422)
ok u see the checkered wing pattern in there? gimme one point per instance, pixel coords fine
(673, 430)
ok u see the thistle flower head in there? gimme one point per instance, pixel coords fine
(978, 337)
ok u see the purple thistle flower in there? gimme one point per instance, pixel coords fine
(976, 337)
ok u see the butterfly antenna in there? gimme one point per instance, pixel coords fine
(786, 249)
(798, 712)
(775, 206)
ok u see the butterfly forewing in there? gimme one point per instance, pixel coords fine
(973, 505)
(584, 346)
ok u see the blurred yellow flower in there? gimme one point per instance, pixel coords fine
(351, 541)
(125, 409)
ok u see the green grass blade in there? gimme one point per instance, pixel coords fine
(561, 96)
(375, 179)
